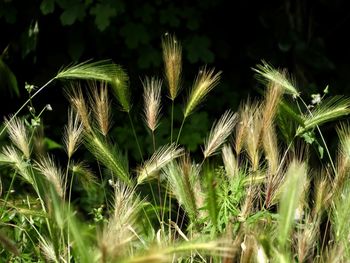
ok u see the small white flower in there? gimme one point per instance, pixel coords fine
(316, 98)
(110, 182)
(48, 107)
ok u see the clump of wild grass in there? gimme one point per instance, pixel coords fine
(264, 201)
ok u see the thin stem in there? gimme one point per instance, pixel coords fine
(284, 155)
(102, 182)
(322, 138)
(69, 202)
(135, 136)
(8, 192)
(25, 104)
(178, 135)
(172, 121)
(154, 141)
(66, 179)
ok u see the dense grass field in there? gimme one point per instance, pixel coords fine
(268, 185)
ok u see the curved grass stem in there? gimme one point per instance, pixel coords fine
(178, 135)
(25, 104)
(322, 138)
(135, 136)
(172, 121)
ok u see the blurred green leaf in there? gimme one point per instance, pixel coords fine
(169, 16)
(8, 79)
(103, 14)
(47, 6)
(198, 49)
(51, 144)
(135, 34)
(9, 12)
(74, 12)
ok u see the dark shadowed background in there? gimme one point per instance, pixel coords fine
(309, 38)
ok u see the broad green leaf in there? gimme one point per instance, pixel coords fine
(8, 79)
(73, 13)
(103, 14)
(47, 6)
(51, 144)
(135, 34)
(198, 49)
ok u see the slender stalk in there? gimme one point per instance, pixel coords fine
(322, 138)
(8, 193)
(284, 156)
(135, 136)
(153, 141)
(178, 135)
(69, 202)
(172, 121)
(101, 178)
(25, 104)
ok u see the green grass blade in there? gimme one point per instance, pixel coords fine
(120, 85)
(109, 156)
(292, 191)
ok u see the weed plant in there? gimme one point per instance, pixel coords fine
(255, 196)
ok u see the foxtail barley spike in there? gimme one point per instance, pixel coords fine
(101, 107)
(219, 133)
(19, 135)
(206, 80)
(172, 56)
(72, 133)
(151, 96)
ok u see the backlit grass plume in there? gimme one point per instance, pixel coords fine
(329, 110)
(104, 70)
(152, 107)
(172, 56)
(108, 155)
(219, 133)
(182, 178)
(118, 235)
(11, 156)
(253, 119)
(47, 167)
(19, 135)
(206, 80)
(121, 89)
(230, 161)
(101, 107)
(270, 105)
(292, 192)
(77, 100)
(343, 131)
(72, 133)
(266, 73)
(163, 156)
